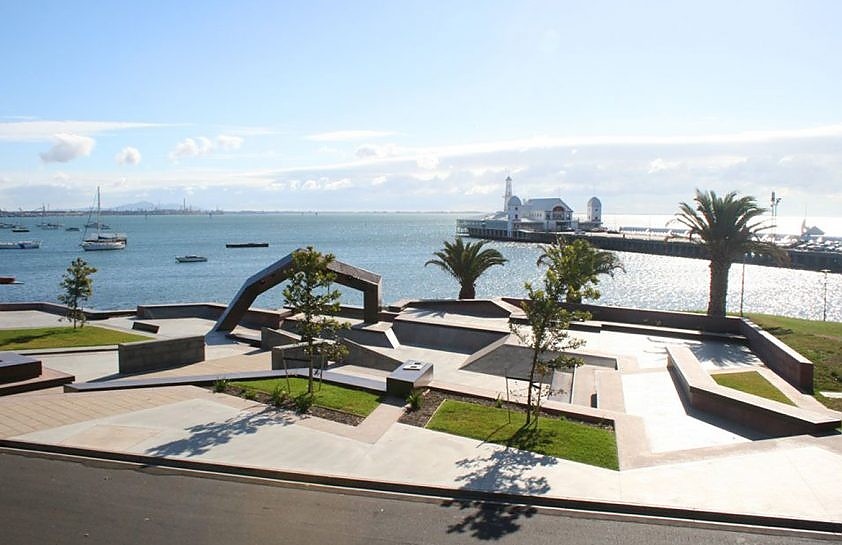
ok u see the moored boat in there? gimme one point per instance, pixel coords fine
(97, 245)
(190, 258)
(7, 279)
(247, 245)
(102, 241)
(20, 245)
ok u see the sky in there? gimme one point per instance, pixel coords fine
(312, 105)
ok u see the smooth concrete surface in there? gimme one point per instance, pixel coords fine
(670, 456)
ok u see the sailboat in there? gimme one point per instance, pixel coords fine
(102, 242)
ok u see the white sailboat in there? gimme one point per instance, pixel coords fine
(101, 242)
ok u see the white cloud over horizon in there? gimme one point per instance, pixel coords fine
(128, 156)
(33, 131)
(67, 147)
(202, 145)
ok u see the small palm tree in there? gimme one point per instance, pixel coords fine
(578, 265)
(726, 227)
(466, 263)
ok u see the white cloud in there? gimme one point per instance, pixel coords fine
(202, 145)
(67, 147)
(228, 142)
(29, 131)
(379, 180)
(659, 165)
(348, 136)
(311, 185)
(482, 189)
(428, 162)
(338, 184)
(128, 156)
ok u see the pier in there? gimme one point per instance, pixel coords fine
(815, 260)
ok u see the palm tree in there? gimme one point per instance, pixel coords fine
(726, 227)
(578, 265)
(466, 263)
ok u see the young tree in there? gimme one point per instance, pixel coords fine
(78, 286)
(466, 263)
(309, 294)
(580, 265)
(548, 337)
(728, 228)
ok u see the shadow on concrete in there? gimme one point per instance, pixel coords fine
(503, 471)
(723, 354)
(203, 437)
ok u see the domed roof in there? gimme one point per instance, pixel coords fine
(514, 201)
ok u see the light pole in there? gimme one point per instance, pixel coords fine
(824, 307)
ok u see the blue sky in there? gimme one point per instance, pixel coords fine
(419, 105)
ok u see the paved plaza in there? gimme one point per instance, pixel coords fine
(669, 455)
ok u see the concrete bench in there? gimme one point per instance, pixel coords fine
(765, 415)
(145, 326)
(412, 374)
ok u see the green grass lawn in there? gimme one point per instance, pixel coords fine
(63, 337)
(330, 396)
(554, 437)
(820, 342)
(751, 382)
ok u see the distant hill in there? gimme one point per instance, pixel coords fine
(144, 205)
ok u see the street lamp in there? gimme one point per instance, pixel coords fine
(824, 308)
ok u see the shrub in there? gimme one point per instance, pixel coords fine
(251, 395)
(414, 399)
(279, 395)
(304, 401)
(220, 384)
(499, 401)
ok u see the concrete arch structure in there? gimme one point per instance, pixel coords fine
(347, 275)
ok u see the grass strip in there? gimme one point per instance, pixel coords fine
(63, 337)
(555, 436)
(329, 396)
(751, 382)
(818, 341)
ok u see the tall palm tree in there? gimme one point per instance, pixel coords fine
(466, 263)
(727, 228)
(578, 265)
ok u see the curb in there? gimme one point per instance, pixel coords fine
(773, 524)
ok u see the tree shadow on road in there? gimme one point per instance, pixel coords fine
(505, 471)
(203, 437)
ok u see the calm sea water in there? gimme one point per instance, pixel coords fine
(396, 246)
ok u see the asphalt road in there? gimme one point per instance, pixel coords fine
(45, 501)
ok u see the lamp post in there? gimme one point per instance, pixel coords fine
(824, 307)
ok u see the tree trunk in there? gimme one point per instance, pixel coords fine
(467, 292)
(718, 287)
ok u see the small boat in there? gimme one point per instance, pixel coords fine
(71, 229)
(20, 245)
(190, 258)
(50, 226)
(7, 279)
(247, 245)
(20, 229)
(99, 245)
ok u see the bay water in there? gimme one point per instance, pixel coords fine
(393, 245)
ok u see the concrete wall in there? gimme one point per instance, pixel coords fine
(482, 308)
(210, 311)
(270, 338)
(783, 360)
(463, 340)
(292, 355)
(143, 356)
(61, 310)
(680, 320)
(366, 357)
(765, 415)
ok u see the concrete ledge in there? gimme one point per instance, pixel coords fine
(61, 310)
(14, 367)
(154, 355)
(367, 357)
(145, 326)
(765, 415)
(363, 383)
(49, 378)
(410, 375)
(786, 362)
(270, 338)
(455, 338)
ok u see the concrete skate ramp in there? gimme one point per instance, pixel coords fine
(451, 338)
(365, 356)
(514, 360)
(274, 274)
(480, 308)
(379, 334)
